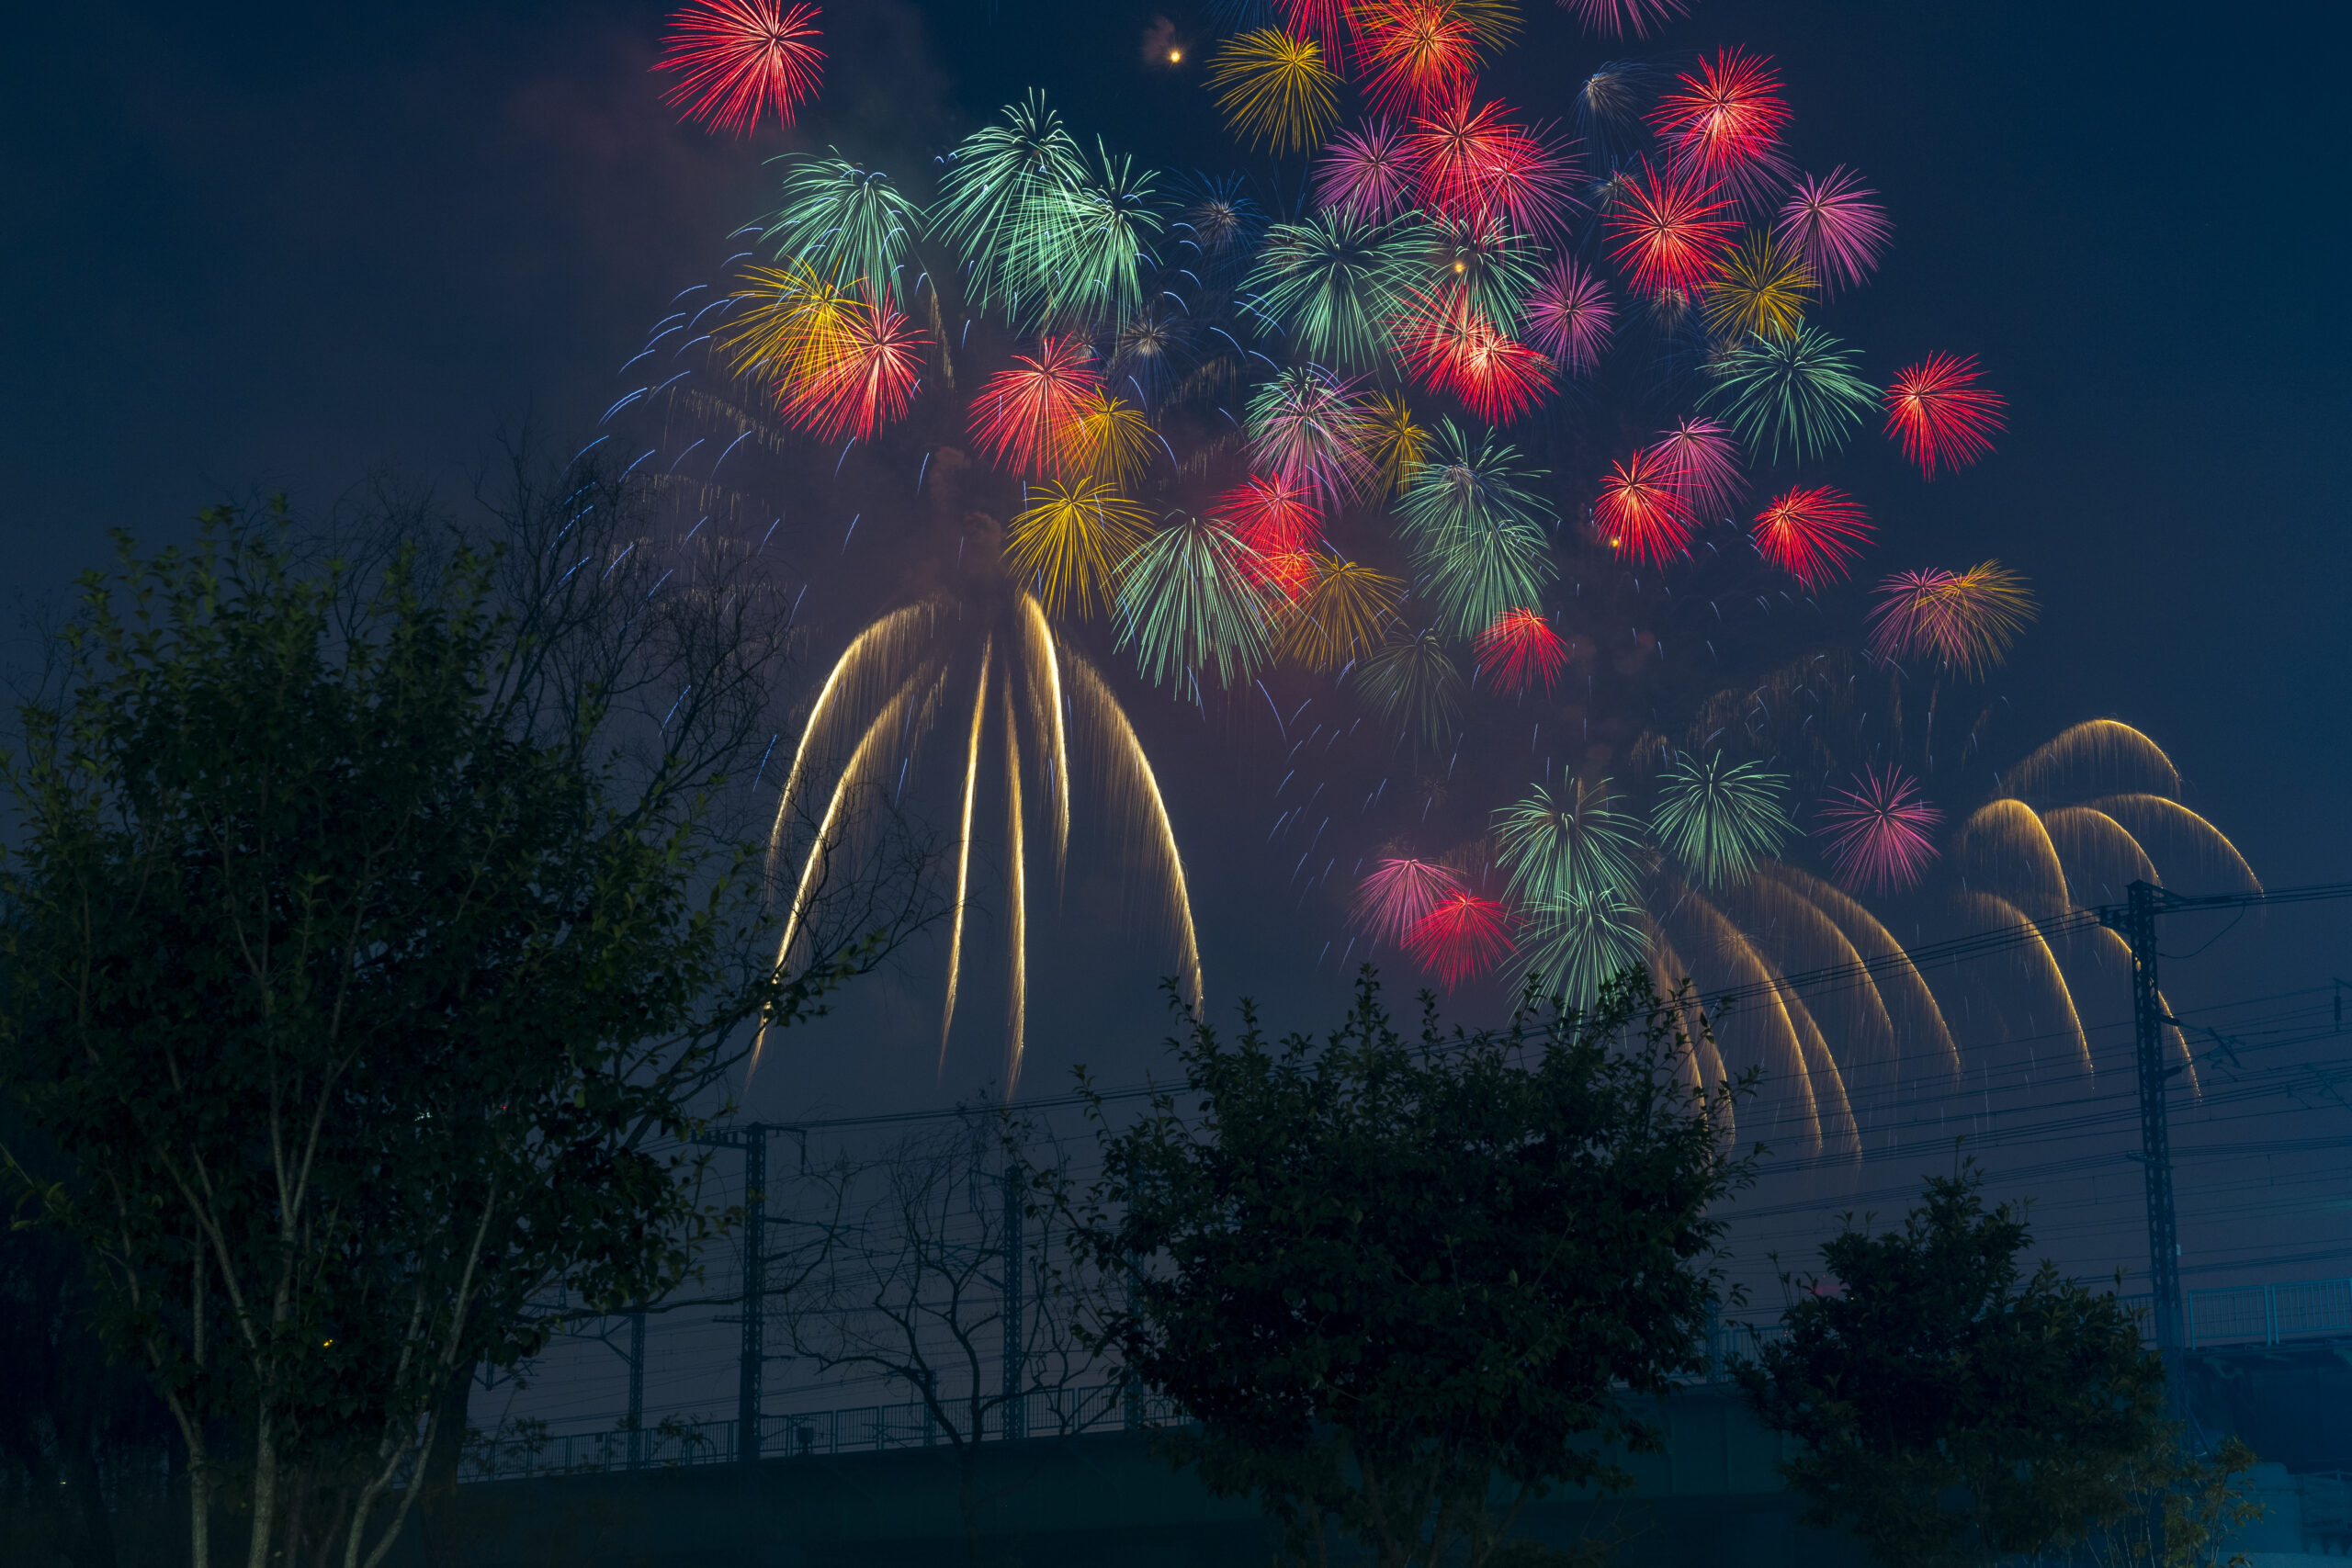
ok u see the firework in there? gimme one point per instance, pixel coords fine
(1330, 23)
(1416, 54)
(1726, 119)
(1476, 531)
(1343, 614)
(1608, 107)
(1153, 348)
(1448, 345)
(1220, 224)
(1416, 687)
(1812, 534)
(1269, 516)
(848, 223)
(994, 179)
(1520, 651)
(1463, 937)
(1395, 894)
(1719, 820)
(1963, 620)
(1472, 165)
(1365, 174)
(1275, 88)
(1940, 414)
(1393, 441)
(1568, 316)
(1615, 18)
(741, 62)
(1192, 598)
(1761, 291)
(1335, 283)
(1484, 260)
(1641, 512)
(1110, 442)
(1702, 464)
(1670, 231)
(787, 325)
(861, 375)
(1069, 542)
(1574, 946)
(1876, 832)
(1027, 418)
(1572, 845)
(1080, 248)
(1795, 392)
(1307, 429)
(1834, 227)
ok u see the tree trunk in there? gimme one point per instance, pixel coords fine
(264, 1528)
(437, 1475)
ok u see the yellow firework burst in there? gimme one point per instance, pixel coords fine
(790, 325)
(1763, 291)
(1395, 442)
(1069, 542)
(1111, 443)
(1345, 614)
(1276, 89)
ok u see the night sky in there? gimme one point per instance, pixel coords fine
(270, 247)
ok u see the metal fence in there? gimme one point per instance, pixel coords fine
(2230, 1314)
(1041, 1413)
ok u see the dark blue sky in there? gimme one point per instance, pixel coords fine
(270, 246)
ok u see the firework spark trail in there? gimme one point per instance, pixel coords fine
(1520, 651)
(1940, 414)
(1835, 227)
(964, 852)
(1812, 532)
(1395, 894)
(741, 62)
(1463, 937)
(1877, 830)
(1275, 88)
(1963, 620)
(1641, 512)
(1016, 1018)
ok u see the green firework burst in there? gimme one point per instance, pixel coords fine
(1415, 685)
(994, 177)
(1794, 392)
(1568, 845)
(1335, 284)
(1574, 946)
(1191, 602)
(1477, 533)
(847, 223)
(1719, 819)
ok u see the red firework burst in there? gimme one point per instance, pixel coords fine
(1330, 23)
(1876, 833)
(1027, 418)
(1366, 174)
(1521, 650)
(1703, 458)
(741, 61)
(1568, 316)
(1449, 346)
(1269, 516)
(871, 370)
(1814, 535)
(1472, 163)
(1461, 939)
(1834, 225)
(1395, 894)
(1416, 54)
(1730, 113)
(1670, 231)
(1615, 18)
(1641, 512)
(1940, 414)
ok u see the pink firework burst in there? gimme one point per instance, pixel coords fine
(1520, 650)
(1703, 458)
(1812, 534)
(1640, 513)
(1395, 895)
(1615, 18)
(740, 61)
(1461, 939)
(1726, 118)
(1940, 414)
(1570, 317)
(1833, 223)
(1367, 174)
(1270, 516)
(1670, 231)
(1027, 418)
(1876, 832)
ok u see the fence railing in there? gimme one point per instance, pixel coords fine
(867, 1428)
(2227, 1314)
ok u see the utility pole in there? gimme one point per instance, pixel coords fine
(637, 1390)
(1016, 1344)
(752, 1139)
(2135, 921)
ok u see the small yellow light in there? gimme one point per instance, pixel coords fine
(1175, 57)
(1460, 266)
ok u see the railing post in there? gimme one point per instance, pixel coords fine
(2270, 1315)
